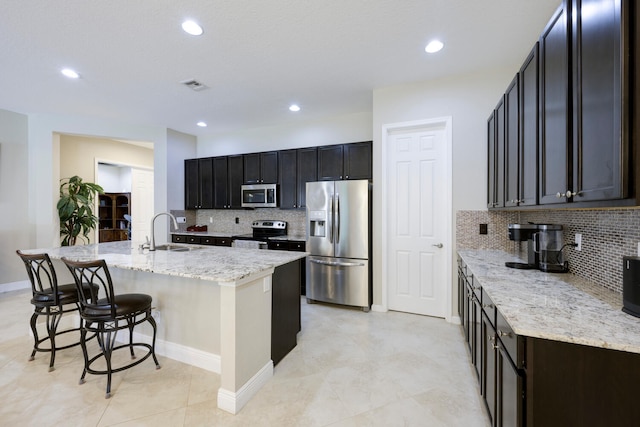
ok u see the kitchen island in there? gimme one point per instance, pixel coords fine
(213, 305)
(548, 349)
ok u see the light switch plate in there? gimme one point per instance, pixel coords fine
(181, 219)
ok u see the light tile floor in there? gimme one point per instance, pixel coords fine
(349, 369)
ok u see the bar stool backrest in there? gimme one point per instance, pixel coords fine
(96, 296)
(44, 283)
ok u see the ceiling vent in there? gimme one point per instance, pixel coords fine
(194, 85)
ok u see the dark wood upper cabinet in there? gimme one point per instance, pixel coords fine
(297, 167)
(205, 170)
(191, 184)
(600, 163)
(216, 182)
(288, 187)
(491, 161)
(228, 179)
(554, 140)
(307, 172)
(357, 160)
(528, 160)
(235, 177)
(512, 144)
(576, 127)
(269, 167)
(251, 168)
(221, 186)
(261, 168)
(345, 161)
(198, 178)
(500, 151)
(330, 163)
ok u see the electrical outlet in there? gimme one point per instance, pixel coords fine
(181, 219)
(211, 219)
(237, 220)
(484, 229)
(638, 248)
(578, 240)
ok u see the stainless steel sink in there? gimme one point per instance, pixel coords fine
(175, 248)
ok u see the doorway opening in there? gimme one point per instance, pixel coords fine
(125, 170)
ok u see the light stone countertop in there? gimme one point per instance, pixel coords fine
(215, 263)
(560, 307)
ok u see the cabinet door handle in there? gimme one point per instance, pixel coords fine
(487, 305)
(503, 333)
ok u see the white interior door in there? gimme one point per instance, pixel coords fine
(141, 204)
(417, 225)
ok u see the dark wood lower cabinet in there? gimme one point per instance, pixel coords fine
(285, 309)
(488, 372)
(526, 381)
(509, 391)
(577, 385)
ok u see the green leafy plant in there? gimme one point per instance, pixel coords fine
(75, 209)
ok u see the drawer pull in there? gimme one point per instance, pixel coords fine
(504, 334)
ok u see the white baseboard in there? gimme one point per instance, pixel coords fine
(378, 308)
(233, 402)
(179, 352)
(456, 320)
(14, 286)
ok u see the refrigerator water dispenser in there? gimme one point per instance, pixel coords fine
(317, 223)
(317, 229)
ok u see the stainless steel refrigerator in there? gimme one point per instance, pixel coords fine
(339, 240)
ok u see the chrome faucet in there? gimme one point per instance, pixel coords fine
(152, 245)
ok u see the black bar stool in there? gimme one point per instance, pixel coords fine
(106, 313)
(51, 301)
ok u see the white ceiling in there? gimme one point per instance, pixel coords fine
(256, 56)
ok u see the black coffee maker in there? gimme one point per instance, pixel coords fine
(525, 233)
(544, 247)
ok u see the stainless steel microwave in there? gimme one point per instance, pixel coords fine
(260, 196)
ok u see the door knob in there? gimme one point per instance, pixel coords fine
(438, 245)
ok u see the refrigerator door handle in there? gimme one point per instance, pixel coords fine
(338, 264)
(337, 218)
(332, 218)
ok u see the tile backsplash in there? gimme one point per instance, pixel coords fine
(224, 220)
(607, 236)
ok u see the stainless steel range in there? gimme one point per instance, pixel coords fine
(262, 231)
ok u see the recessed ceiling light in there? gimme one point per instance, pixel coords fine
(70, 73)
(434, 46)
(202, 124)
(192, 28)
(294, 108)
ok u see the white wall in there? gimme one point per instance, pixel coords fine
(469, 100)
(296, 134)
(14, 201)
(114, 179)
(180, 146)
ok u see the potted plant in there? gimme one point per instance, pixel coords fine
(75, 209)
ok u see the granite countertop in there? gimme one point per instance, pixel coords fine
(216, 263)
(560, 307)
